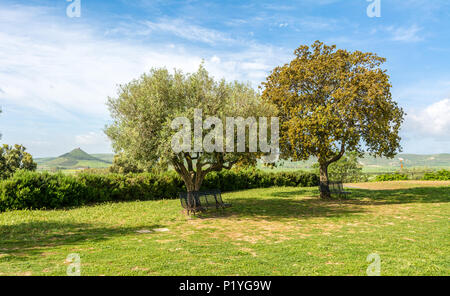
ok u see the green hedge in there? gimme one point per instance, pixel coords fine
(429, 176)
(439, 175)
(33, 190)
(391, 177)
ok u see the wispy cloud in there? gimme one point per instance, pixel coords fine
(93, 141)
(187, 31)
(56, 72)
(405, 34)
(64, 69)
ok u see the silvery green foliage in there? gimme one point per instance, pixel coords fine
(144, 110)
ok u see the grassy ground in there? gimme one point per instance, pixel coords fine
(276, 231)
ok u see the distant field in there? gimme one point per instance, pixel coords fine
(274, 231)
(78, 159)
(366, 169)
(373, 165)
(389, 185)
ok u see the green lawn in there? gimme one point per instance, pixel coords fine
(276, 231)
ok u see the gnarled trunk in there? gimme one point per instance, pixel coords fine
(193, 183)
(323, 185)
(193, 174)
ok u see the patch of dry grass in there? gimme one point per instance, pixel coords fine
(389, 185)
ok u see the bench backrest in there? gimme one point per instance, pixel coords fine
(334, 186)
(196, 199)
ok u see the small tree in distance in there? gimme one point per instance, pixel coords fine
(123, 165)
(346, 169)
(331, 101)
(13, 159)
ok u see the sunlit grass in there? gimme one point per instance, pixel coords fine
(276, 231)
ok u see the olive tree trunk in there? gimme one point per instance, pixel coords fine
(193, 183)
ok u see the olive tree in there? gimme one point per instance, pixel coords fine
(144, 111)
(331, 101)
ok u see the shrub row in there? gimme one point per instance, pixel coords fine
(439, 175)
(247, 179)
(391, 177)
(33, 190)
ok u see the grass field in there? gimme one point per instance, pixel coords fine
(276, 231)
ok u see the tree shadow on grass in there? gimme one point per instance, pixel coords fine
(401, 196)
(24, 240)
(305, 203)
(280, 208)
(300, 192)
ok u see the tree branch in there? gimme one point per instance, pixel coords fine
(339, 155)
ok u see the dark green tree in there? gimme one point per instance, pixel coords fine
(331, 101)
(13, 159)
(124, 165)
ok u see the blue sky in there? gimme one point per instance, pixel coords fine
(56, 72)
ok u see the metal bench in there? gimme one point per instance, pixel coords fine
(336, 188)
(198, 201)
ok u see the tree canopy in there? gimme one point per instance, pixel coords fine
(13, 159)
(144, 109)
(331, 101)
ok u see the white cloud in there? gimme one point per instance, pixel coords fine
(433, 121)
(90, 138)
(65, 69)
(405, 34)
(422, 92)
(58, 71)
(215, 59)
(93, 141)
(187, 31)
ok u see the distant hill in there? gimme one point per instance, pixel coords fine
(409, 161)
(372, 164)
(75, 159)
(78, 154)
(109, 157)
(79, 159)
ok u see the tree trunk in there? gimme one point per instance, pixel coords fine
(188, 182)
(190, 198)
(323, 185)
(198, 180)
(198, 184)
(193, 185)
